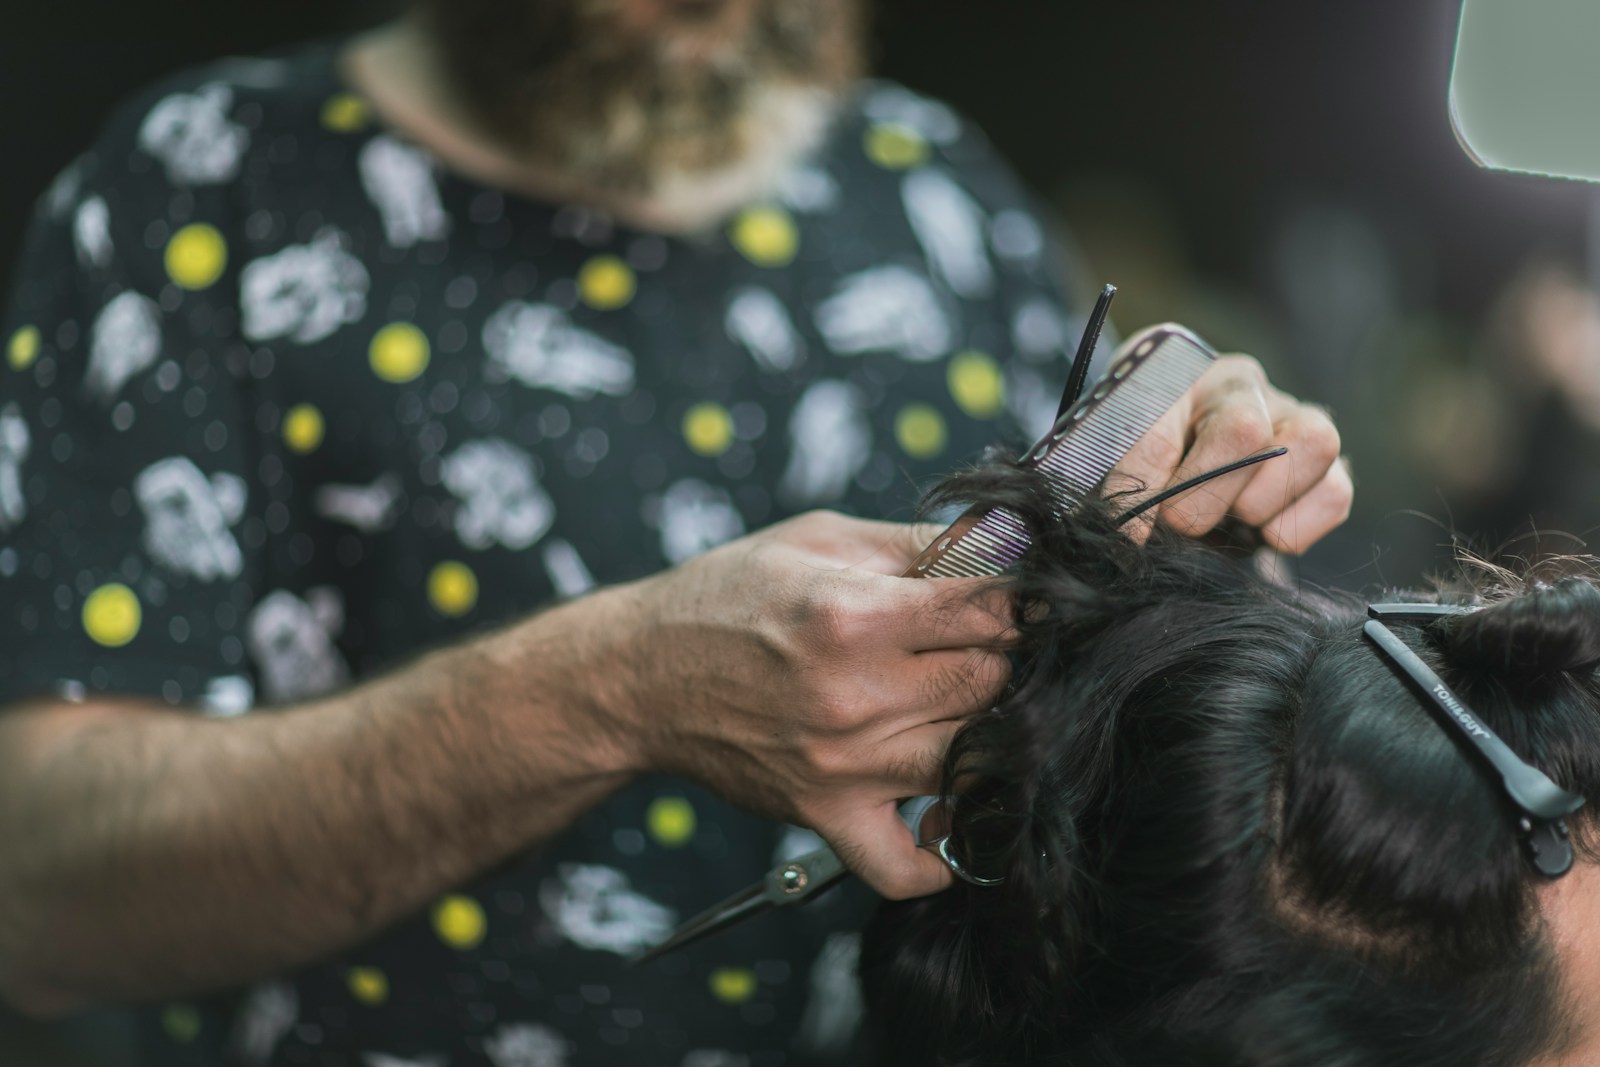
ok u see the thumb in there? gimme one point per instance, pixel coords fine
(877, 845)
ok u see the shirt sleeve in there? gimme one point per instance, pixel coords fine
(129, 558)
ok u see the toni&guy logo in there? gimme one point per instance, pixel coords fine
(1462, 715)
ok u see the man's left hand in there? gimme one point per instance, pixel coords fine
(1230, 413)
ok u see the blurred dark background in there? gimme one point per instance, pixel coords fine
(1281, 177)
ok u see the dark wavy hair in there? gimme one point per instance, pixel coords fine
(1230, 832)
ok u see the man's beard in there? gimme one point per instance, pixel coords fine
(565, 85)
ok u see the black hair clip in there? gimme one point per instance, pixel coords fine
(1543, 805)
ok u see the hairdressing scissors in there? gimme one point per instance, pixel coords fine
(1092, 432)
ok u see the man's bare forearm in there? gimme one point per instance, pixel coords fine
(146, 852)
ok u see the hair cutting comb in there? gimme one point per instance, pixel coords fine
(1150, 371)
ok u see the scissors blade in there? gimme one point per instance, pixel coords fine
(747, 901)
(791, 882)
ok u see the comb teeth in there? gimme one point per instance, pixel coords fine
(1083, 446)
(996, 542)
(1097, 433)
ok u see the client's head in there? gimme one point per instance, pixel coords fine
(1230, 831)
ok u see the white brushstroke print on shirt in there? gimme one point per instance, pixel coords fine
(885, 309)
(526, 1045)
(537, 345)
(384, 1059)
(1015, 235)
(567, 571)
(593, 907)
(693, 517)
(500, 498)
(291, 641)
(795, 842)
(187, 517)
(269, 1011)
(303, 292)
(830, 440)
(1039, 330)
(124, 340)
(368, 508)
(227, 696)
(192, 136)
(91, 233)
(14, 445)
(949, 224)
(399, 181)
(835, 1008)
(758, 320)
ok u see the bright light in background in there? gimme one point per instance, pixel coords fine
(1525, 87)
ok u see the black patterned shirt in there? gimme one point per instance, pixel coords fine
(284, 401)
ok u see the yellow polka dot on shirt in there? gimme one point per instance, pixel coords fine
(670, 820)
(733, 985)
(23, 348)
(367, 984)
(345, 113)
(111, 615)
(920, 431)
(181, 1022)
(399, 352)
(606, 283)
(708, 428)
(452, 588)
(976, 384)
(196, 255)
(766, 236)
(302, 428)
(459, 921)
(894, 146)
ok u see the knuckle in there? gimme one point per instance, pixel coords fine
(809, 527)
(826, 761)
(826, 617)
(817, 518)
(1244, 365)
(1318, 437)
(1164, 451)
(1245, 429)
(835, 713)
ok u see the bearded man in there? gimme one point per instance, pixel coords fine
(514, 303)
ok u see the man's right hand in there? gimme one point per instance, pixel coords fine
(795, 673)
